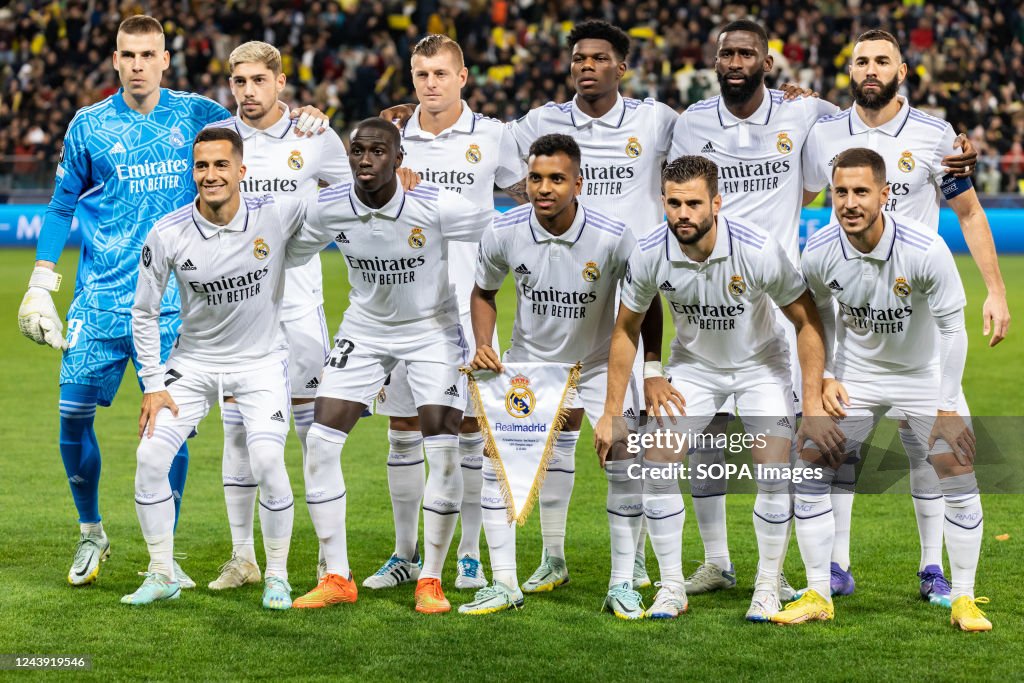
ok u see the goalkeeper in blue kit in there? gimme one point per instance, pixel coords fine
(126, 161)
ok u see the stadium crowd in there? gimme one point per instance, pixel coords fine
(351, 58)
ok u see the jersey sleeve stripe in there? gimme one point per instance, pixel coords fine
(740, 237)
(825, 234)
(604, 221)
(740, 230)
(820, 243)
(917, 245)
(223, 123)
(333, 193)
(922, 120)
(911, 236)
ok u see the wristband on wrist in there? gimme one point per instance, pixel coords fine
(45, 278)
(652, 368)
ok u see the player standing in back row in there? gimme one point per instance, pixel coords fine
(451, 146)
(913, 145)
(280, 164)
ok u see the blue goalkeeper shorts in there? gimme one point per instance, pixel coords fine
(100, 346)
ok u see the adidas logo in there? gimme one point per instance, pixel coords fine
(707, 148)
(313, 383)
(187, 265)
(341, 239)
(523, 270)
(784, 422)
(666, 286)
(277, 417)
(835, 286)
(118, 148)
(452, 391)
(629, 414)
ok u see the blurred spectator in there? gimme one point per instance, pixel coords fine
(351, 57)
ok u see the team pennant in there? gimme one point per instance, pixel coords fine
(521, 412)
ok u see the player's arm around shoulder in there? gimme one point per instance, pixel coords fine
(460, 220)
(314, 223)
(156, 263)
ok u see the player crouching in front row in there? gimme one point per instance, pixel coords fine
(871, 262)
(227, 253)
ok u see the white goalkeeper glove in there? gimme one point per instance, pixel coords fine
(37, 317)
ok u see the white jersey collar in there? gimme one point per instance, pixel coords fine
(238, 223)
(466, 123)
(612, 119)
(761, 116)
(892, 127)
(721, 250)
(391, 210)
(882, 250)
(570, 236)
(278, 130)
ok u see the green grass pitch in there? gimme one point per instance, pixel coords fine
(884, 631)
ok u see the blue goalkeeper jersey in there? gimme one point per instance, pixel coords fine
(121, 171)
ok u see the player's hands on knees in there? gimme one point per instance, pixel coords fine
(791, 91)
(398, 114)
(152, 404)
(311, 121)
(609, 430)
(834, 397)
(659, 394)
(821, 428)
(486, 358)
(996, 316)
(408, 177)
(952, 428)
(962, 165)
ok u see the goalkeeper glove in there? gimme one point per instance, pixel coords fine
(37, 317)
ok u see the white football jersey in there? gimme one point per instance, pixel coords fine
(722, 307)
(760, 174)
(279, 162)
(622, 151)
(397, 255)
(565, 285)
(470, 158)
(888, 299)
(913, 145)
(231, 279)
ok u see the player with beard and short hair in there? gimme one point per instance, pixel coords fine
(720, 277)
(756, 136)
(913, 145)
(900, 343)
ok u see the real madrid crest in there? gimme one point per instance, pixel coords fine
(295, 160)
(260, 249)
(175, 137)
(382, 397)
(473, 154)
(591, 273)
(901, 288)
(633, 148)
(737, 286)
(519, 400)
(417, 240)
(906, 162)
(784, 144)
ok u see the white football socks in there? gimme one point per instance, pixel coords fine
(501, 536)
(239, 485)
(964, 527)
(556, 492)
(406, 481)
(842, 512)
(815, 528)
(325, 494)
(663, 507)
(471, 457)
(771, 526)
(625, 513)
(929, 507)
(442, 498)
(708, 496)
